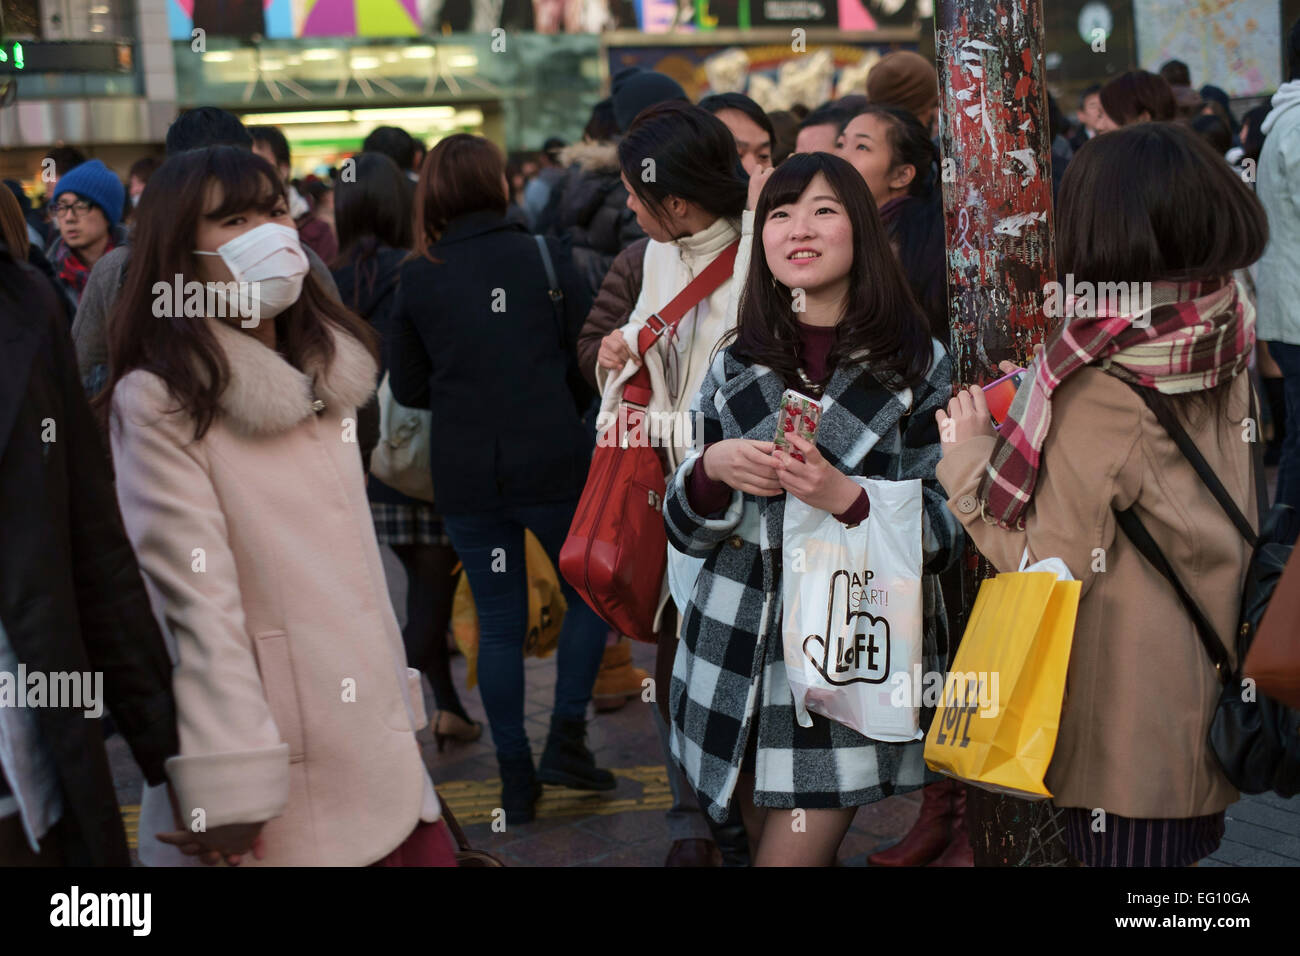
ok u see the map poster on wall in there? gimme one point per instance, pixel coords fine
(1229, 43)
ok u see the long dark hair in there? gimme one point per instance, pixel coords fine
(372, 209)
(882, 323)
(694, 158)
(181, 349)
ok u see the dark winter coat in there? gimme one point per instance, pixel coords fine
(373, 296)
(589, 209)
(613, 306)
(916, 231)
(71, 595)
(478, 340)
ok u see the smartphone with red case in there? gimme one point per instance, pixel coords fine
(799, 415)
(1000, 393)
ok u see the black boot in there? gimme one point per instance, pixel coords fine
(567, 761)
(731, 838)
(520, 788)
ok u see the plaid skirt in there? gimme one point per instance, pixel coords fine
(408, 524)
(1132, 841)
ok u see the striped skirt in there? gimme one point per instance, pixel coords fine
(1133, 841)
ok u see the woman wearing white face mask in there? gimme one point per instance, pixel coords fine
(231, 405)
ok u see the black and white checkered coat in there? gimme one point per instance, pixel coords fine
(729, 667)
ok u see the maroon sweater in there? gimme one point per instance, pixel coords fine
(708, 496)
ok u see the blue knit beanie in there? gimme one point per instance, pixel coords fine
(94, 181)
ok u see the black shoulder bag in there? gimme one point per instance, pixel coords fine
(1256, 741)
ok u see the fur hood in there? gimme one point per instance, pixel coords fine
(599, 157)
(265, 394)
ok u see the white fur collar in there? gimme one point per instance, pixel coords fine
(265, 394)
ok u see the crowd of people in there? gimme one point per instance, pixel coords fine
(206, 530)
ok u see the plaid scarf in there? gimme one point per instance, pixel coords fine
(1200, 334)
(74, 273)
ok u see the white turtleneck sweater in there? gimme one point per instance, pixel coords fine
(669, 267)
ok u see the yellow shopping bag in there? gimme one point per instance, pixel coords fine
(546, 608)
(996, 723)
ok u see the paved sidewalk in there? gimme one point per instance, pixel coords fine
(628, 826)
(624, 827)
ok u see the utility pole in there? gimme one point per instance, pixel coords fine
(997, 203)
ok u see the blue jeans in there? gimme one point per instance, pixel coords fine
(491, 545)
(1287, 357)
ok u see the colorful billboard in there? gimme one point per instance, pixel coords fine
(401, 18)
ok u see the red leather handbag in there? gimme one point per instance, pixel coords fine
(616, 553)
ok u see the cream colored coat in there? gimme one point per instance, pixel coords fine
(294, 702)
(669, 268)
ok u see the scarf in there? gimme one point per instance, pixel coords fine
(74, 273)
(1200, 334)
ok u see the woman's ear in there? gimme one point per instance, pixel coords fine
(901, 177)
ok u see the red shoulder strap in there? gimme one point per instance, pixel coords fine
(637, 389)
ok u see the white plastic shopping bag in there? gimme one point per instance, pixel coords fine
(853, 615)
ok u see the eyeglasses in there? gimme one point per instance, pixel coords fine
(80, 207)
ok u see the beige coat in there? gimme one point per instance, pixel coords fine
(1141, 689)
(294, 702)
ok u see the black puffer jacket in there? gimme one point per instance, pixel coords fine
(589, 210)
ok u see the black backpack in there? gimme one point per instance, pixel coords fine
(1256, 742)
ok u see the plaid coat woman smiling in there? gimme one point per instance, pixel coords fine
(729, 674)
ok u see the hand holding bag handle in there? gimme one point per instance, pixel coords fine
(617, 549)
(664, 322)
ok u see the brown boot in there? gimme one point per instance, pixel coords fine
(618, 681)
(958, 852)
(931, 832)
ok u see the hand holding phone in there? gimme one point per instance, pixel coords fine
(799, 415)
(1000, 393)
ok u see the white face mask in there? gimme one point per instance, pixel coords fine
(269, 258)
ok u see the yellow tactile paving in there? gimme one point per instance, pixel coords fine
(474, 800)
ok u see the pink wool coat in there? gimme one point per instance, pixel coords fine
(294, 702)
